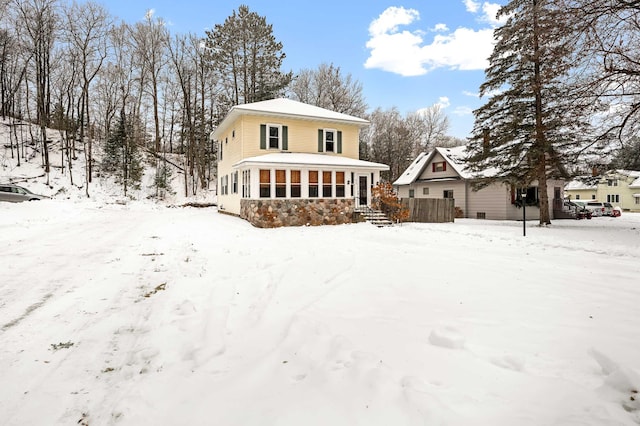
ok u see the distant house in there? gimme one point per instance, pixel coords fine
(286, 163)
(621, 188)
(583, 188)
(442, 173)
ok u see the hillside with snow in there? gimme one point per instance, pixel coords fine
(130, 312)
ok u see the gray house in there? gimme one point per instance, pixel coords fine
(442, 173)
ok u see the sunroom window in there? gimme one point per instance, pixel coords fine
(295, 184)
(326, 185)
(265, 183)
(313, 183)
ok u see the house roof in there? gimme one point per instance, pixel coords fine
(297, 159)
(582, 184)
(455, 157)
(285, 108)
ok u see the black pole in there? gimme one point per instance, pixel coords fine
(524, 213)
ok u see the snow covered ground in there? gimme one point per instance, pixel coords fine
(142, 314)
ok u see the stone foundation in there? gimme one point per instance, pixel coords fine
(269, 213)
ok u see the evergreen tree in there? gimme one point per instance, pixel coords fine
(628, 157)
(247, 57)
(122, 155)
(529, 126)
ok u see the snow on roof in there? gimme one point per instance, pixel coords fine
(413, 171)
(635, 183)
(283, 107)
(582, 183)
(297, 159)
(454, 156)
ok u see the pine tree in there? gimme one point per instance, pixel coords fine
(122, 156)
(247, 57)
(529, 125)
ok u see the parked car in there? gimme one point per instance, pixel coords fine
(15, 194)
(608, 209)
(576, 210)
(596, 207)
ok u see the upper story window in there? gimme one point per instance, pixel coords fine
(330, 140)
(612, 182)
(273, 136)
(439, 167)
(274, 133)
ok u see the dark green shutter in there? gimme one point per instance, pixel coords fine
(320, 140)
(263, 136)
(339, 142)
(285, 138)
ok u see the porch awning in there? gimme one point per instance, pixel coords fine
(293, 159)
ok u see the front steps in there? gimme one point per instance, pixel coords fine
(375, 217)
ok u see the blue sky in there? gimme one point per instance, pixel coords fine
(409, 55)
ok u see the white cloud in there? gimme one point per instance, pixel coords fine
(472, 6)
(440, 27)
(472, 94)
(389, 20)
(490, 10)
(405, 52)
(443, 101)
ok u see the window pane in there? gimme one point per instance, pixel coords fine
(265, 183)
(313, 183)
(295, 184)
(274, 139)
(329, 141)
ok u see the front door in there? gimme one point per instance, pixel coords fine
(362, 190)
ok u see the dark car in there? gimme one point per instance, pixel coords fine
(15, 194)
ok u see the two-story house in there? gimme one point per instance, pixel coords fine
(619, 187)
(286, 163)
(443, 173)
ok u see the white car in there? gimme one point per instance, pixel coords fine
(596, 207)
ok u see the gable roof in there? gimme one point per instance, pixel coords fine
(584, 183)
(285, 108)
(454, 156)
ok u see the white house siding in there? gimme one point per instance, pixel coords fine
(533, 213)
(492, 200)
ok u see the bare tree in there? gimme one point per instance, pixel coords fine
(429, 127)
(87, 26)
(150, 39)
(609, 64)
(39, 18)
(389, 140)
(328, 88)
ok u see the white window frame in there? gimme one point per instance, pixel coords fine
(268, 136)
(246, 184)
(325, 132)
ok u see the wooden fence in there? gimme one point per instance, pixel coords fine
(430, 210)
